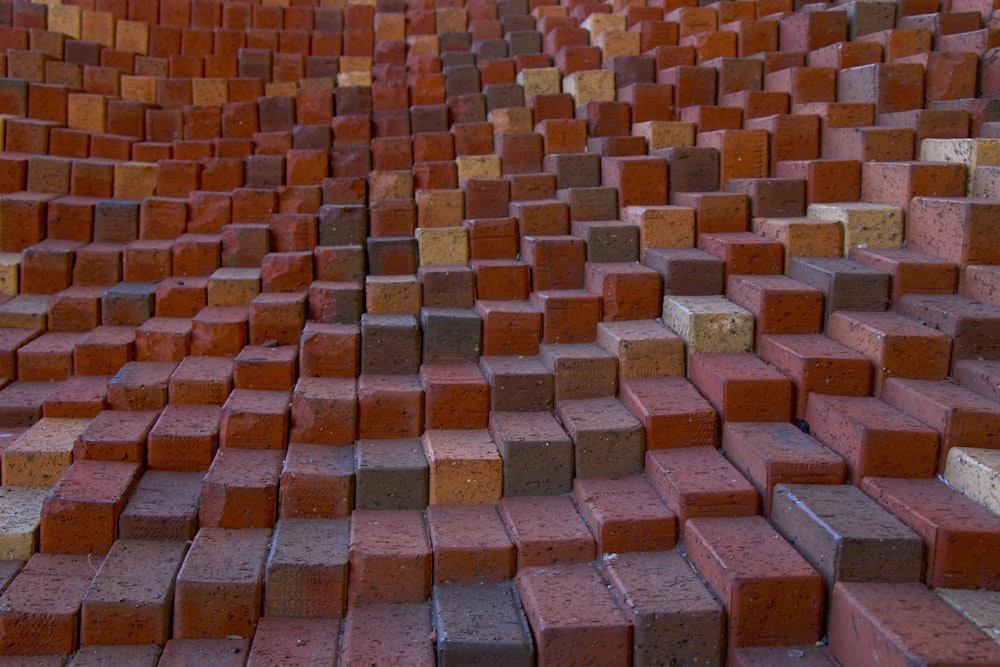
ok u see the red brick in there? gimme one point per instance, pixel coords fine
(768, 454)
(470, 544)
(79, 396)
(140, 385)
(366, 627)
(163, 506)
(892, 622)
(956, 229)
(329, 350)
(317, 481)
(557, 262)
(390, 406)
(898, 183)
(217, 331)
(116, 436)
(240, 489)
(184, 438)
(21, 402)
(625, 514)
(219, 587)
(716, 212)
(568, 315)
(744, 253)
(136, 582)
(547, 530)
(501, 279)
(104, 351)
(147, 261)
(255, 419)
(897, 346)
(48, 357)
(163, 339)
(628, 291)
(390, 558)
(573, 616)
(771, 594)
(911, 271)
(979, 376)
(41, 607)
(455, 396)
(826, 180)
(47, 267)
(742, 387)
(510, 327)
(874, 438)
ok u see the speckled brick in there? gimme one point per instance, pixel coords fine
(43, 453)
(537, 453)
(873, 438)
(140, 385)
(240, 489)
(80, 514)
(608, 440)
(547, 530)
(480, 625)
(771, 594)
(255, 419)
(464, 466)
(625, 514)
(210, 652)
(40, 610)
(672, 411)
(390, 474)
(219, 586)
(131, 597)
(201, 380)
(390, 557)
(470, 544)
(742, 387)
(306, 574)
(120, 655)
(366, 627)
(163, 506)
(184, 438)
(20, 514)
(574, 617)
(116, 435)
(294, 642)
(317, 482)
(769, 453)
(674, 616)
(699, 482)
(902, 624)
(517, 384)
(324, 410)
(960, 536)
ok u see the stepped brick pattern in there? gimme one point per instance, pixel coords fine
(499, 332)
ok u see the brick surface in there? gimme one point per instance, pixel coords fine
(699, 482)
(163, 506)
(383, 546)
(547, 530)
(306, 571)
(503, 639)
(625, 514)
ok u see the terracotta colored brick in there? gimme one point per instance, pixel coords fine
(115, 436)
(547, 530)
(716, 212)
(79, 396)
(568, 315)
(255, 419)
(897, 346)
(240, 489)
(628, 291)
(464, 467)
(184, 438)
(31, 623)
(135, 581)
(625, 514)
(890, 619)
(47, 267)
(673, 614)
(671, 411)
(959, 233)
(970, 324)
(365, 629)
(890, 86)
(845, 535)
(147, 261)
(644, 348)
(826, 180)
(201, 380)
(48, 357)
(912, 272)
(163, 339)
(294, 641)
(25, 311)
(21, 402)
(771, 197)
(580, 370)
(384, 546)
(979, 376)
(771, 594)
(329, 350)
(470, 544)
(744, 253)
(780, 305)
(510, 327)
(128, 304)
(104, 351)
(591, 629)
(219, 331)
(317, 481)
(501, 279)
(163, 506)
(218, 589)
(455, 396)
(698, 482)
(391, 473)
(557, 262)
(874, 438)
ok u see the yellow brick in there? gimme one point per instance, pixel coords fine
(598, 22)
(235, 287)
(138, 88)
(355, 64)
(43, 453)
(209, 92)
(540, 81)
(803, 237)
(325, 82)
(976, 473)
(709, 324)
(66, 20)
(354, 79)
(25, 311)
(464, 467)
(666, 133)
(10, 269)
(135, 180)
(972, 152)
(478, 166)
(866, 225)
(644, 348)
(445, 246)
(98, 27)
(20, 516)
(592, 85)
(614, 43)
(662, 226)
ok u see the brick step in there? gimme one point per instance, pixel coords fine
(973, 472)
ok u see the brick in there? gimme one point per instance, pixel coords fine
(865, 225)
(752, 569)
(43, 453)
(329, 350)
(846, 285)
(80, 396)
(450, 335)
(47, 267)
(147, 261)
(546, 530)
(219, 586)
(816, 364)
(890, 86)
(744, 253)
(826, 180)
(979, 376)
(98, 264)
(76, 308)
(580, 370)
(140, 385)
(31, 623)
(959, 234)
(366, 626)
(897, 346)
(163, 506)
(255, 419)
(22, 509)
(294, 641)
(240, 489)
(391, 474)
(144, 655)
(568, 315)
(625, 514)
(21, 402)
(537, 453)
(687, 271)
(871, 436)
(517, 383)
(48, 357)
(671, 411)
(504, 638)
(128, 304)
(470, 544)
(608, 440)
(225, 652)
(709, 324)
(456, 396)
(184, 438)
(910, 271)
(560, 629)
(135, 579)
(201, 380)
(698, 482)
(25, 311)
(115, 436)
(969, 323)
(218, 331)
(672, 613)
(590, 203)
(771, 197)
(893, 617)
(104, 351)
(384, 545)
(163, 339)
(390, 344)
(845, 535)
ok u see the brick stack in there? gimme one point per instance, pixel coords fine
(499, 332)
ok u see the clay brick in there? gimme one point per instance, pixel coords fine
(294, 641)
(33, 624)
(640, 180)
(780, 305)
(163, 506)
(365, 629)
(104, 350)
(969, 323)
(140, 655)
(890, 86)
(580, 370)
(163, 339)
(452, 286)
(517, 383)
(455, 396)
(390, 406)
(625, 514)
(43, 453)
(470, 544)
(752, 569)
(846, 285)
(972, 471)
(22, 507)
(79, 396)
(826, 180)
(960, 231)
(979, 376)
(557, 262)
(503, 638)
(608, 440)
(574, 170)
(590, 203)
(644, 348)
(744, 253)
(219, 586)
(147, 261)
(628, 291)
(568, 315)
(128, 304)
(867, 225)
(383, 546)
(874, 438)
(910, 271)
(590, 629)
(390, 344)
(391, 473)
(709, 324)
(135, 580)
(205, 380)
(184, 438)
(140, 385)
(21, 402)
(687, 271)
(48, 357)
(25, 311)
(255, 419)
(892, 617)
(240, 489)
(716, 212)
(845, 535)
(115, 436)
(302, 580)
(771, 197)
(742, 153)
(673, 614)
(698, 482)
(22, 219)
(547, 530)
(218, 331)
(671, 411)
